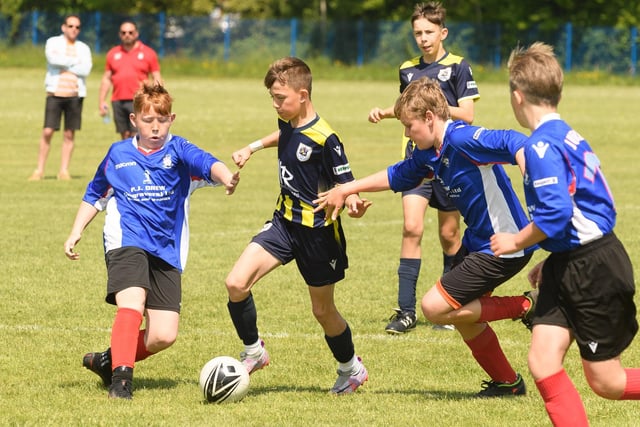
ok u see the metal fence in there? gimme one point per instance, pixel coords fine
(231, 38)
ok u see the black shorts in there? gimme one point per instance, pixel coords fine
(129, 267)
(121, 111)
(56, 105)
(590, 291)
(476, 275)
(433, 191)
(320, 253)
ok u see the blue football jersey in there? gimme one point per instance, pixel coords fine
(146, 196)
(311, 160)
(566, 192)
(468, 165)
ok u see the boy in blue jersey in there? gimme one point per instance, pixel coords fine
(310, 157)
(454, 75)
(144, 184)
(586, 284)
(465, 160)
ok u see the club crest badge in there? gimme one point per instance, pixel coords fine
(303, 153)
(167, 163)
(444, 74)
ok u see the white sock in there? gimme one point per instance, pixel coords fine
(255, 348)
(352, 365)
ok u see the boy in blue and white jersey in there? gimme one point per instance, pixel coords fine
(310, 157)
(586, 284)
(144, 184)
(465, 160)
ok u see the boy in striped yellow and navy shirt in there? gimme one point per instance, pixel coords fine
(311, 159)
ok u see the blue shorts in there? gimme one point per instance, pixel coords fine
(320, 253)
(433, 191)
(129, 267)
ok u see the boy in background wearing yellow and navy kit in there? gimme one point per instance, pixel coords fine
(456, 81)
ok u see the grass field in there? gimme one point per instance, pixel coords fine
(53, 310)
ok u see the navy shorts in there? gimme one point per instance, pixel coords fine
(476, 274)
(320, 253)
(433, 191)
(121, 111)
(129, 267)
(590, 291)
(56, 105)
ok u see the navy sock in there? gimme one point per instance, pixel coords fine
(245, 319)
(408, 272)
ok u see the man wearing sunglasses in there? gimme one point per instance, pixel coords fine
(127, 66)
(68, 64)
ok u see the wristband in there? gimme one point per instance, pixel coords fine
(256, 146)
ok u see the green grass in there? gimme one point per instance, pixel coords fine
(53, 309)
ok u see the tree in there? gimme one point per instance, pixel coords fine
(547, 14)
(11, 9)
(15, 10)
(511, 16)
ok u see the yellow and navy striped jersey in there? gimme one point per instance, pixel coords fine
(311, 159)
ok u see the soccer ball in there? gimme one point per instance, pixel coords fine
(224, 379)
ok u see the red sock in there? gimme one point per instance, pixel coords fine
(142, 352)
(632, 389)
(486, 349)
(124, 337)
(562, 401)
(498, 308)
